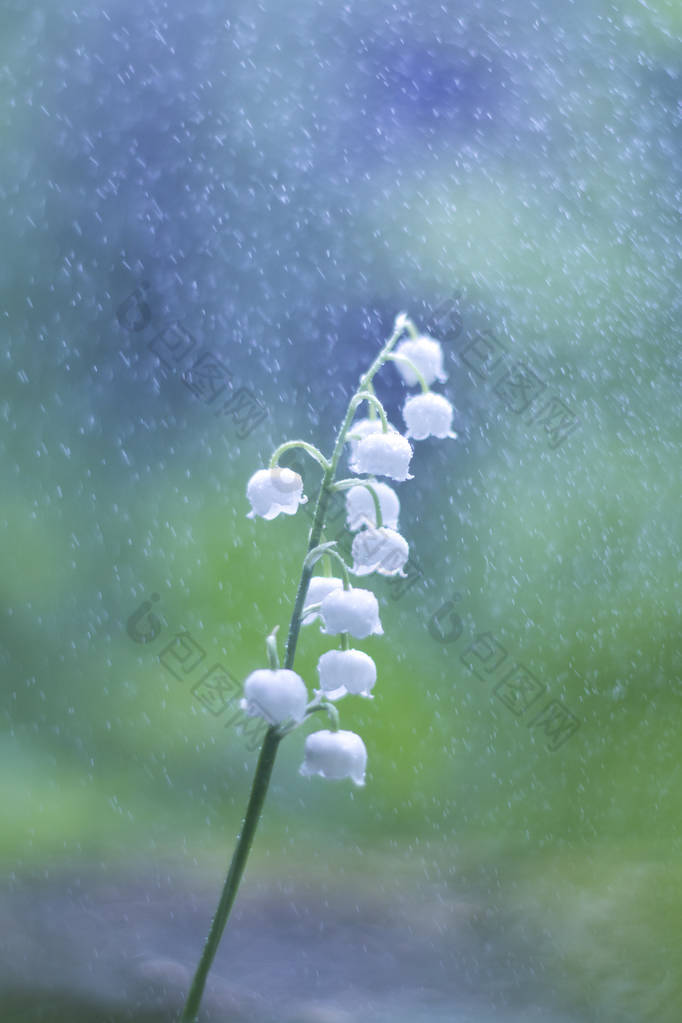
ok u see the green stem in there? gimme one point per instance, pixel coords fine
(273, 736)
(308, 448)
(259, 790)
(372, 413)
(401, 324)
(374, 403)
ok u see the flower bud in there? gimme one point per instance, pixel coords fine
(335, 755)
(360, 510)
(427, 356)
(379, 550)
(355, 611)
(272, 491)
(428, 415)
(276, 696)
(318, 588)
(346, 671)
(383, 454)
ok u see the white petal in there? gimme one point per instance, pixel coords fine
(355, 611)
(272, 491)
(346, 671)
(336, 694)
(428, 415)
(383, 454)
(276, 696)
(335, 755)
(318, 588)
(363, 428)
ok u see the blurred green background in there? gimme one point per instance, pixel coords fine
(273, 185)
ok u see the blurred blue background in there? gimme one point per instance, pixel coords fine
(259, 190)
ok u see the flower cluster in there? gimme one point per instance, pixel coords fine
(376, 448)
(278, 694)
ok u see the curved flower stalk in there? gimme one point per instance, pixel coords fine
(277, 693)
(361, 507)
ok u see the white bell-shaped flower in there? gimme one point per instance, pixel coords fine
(427, 356)
(355, 611)
(346, 671)
(276, 696)
(379, 550)
(383, 454)
(318, 588)
(335, 755)
(428, 415)
(363, 428)
(360, 510)
(272, 491)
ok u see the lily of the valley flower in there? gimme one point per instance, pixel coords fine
(277, 696)
(379, 550)
(360, 510)
(383, 454)
(335, 755)
(428, 415)
(346, 671)
(354, 611)
(318, 588)
(272, 491)
(361, 429)
(427, 356)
